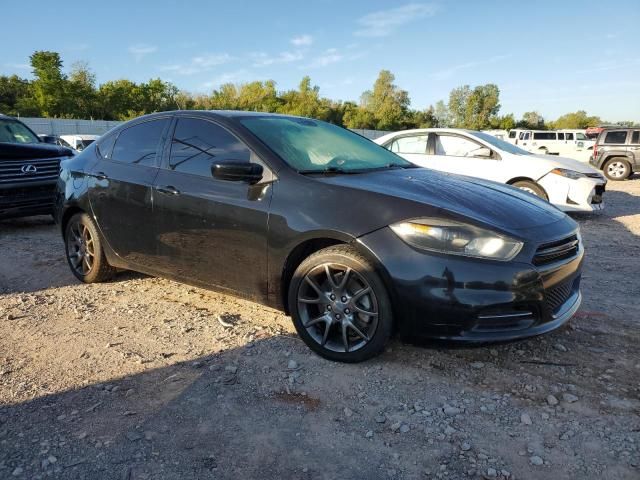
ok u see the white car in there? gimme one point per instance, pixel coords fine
(79, 142)
(568, 184)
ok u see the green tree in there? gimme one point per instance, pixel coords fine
(49, 84)
(458, 100)
(388, 103)
(578, 119)
(305, 101)
(442, 115)
(80, 92)
(16, 97)
(532, 120)
(504, 122)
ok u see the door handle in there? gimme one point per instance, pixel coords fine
(168, 190)
(100, 175)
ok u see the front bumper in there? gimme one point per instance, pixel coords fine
(26, 201)
(472, 300)
(582, 195)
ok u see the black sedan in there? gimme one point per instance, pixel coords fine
(348, 238)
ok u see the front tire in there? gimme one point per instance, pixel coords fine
(83, 247)
(531, 187)
(340, 305)
(617, 169)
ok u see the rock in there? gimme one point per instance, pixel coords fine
(477, 365)
(449, 430)
(347, 412)
(569, 398)
(560, 347)
(451, 411)
(17, 471)
(396, 426)
(526, 419)
(465, 447)
(369, 434)
(492, 472)
(505, 473)
(133, 436)
(380, 419)
(536, 460)
(404, 428)
(552, 400)
(231, 368)
(292, 365)
(52, 459)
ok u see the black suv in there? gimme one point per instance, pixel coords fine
(28, 170)
(617, 152)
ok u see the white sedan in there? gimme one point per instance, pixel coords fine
(568, 184)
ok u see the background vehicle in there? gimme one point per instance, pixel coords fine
(593, 132)
(568, 184)
(617, 152)
(569, 143)
(311, 218)
(79, 142)
(28, 170)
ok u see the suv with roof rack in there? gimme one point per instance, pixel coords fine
(617, 152)
(29, 170)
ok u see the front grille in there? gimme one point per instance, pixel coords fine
(556, 297)
(46, 169)
(559, 250)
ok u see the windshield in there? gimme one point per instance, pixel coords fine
(12, 131)
(501, 144)
(312, 146)
(581, 136)
(82, 144)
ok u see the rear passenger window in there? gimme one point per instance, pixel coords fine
(198, 144)
(561, 136)
(417, 144)
(140, 144)
(635, 138)
(568, 136)
(544, 135)
(615, 137)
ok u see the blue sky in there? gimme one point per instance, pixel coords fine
(549, 56)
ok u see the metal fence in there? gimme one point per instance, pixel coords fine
(63, 126)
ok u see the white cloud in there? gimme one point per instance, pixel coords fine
(302, 40)
(226, 77)
(199, 64)
(328, 57)
(385, 22)
(141, 50)
(262, 59)
(450, 71)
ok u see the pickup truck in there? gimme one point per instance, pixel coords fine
(29, 170)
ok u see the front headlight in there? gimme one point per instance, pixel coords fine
(456, 238)
(563, 172)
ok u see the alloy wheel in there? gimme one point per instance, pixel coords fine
(617, 169)
(337, 307)
(80, 248)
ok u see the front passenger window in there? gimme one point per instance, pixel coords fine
(197, 144)
(455, 146)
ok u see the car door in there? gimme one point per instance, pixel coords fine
(457, 153)
(412, 147)
(211, 231)
(121, 195)
(634, 147)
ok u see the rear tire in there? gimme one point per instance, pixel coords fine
(617, 169)
(340, 306)
(83, 247)
(531, 187)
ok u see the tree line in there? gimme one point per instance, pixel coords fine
(54, 93)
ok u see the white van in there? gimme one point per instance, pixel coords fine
(569, 143)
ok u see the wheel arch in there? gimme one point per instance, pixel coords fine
(66, 216)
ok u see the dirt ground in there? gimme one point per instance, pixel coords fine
(143, 378)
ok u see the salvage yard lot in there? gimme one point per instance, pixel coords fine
(145, 378)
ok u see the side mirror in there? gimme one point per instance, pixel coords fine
(483, 152)
(236, 171)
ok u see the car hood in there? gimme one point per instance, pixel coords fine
(484, 201)
(554, 161)
(19, 151)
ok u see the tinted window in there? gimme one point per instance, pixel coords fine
(635, 137)
(197, 144)
(568, 136)
(105, 145)
(140, 144)
(417, 144)
(544, 135)
(455, 146)
(561, 136)
(512, 134)
(616, 137)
